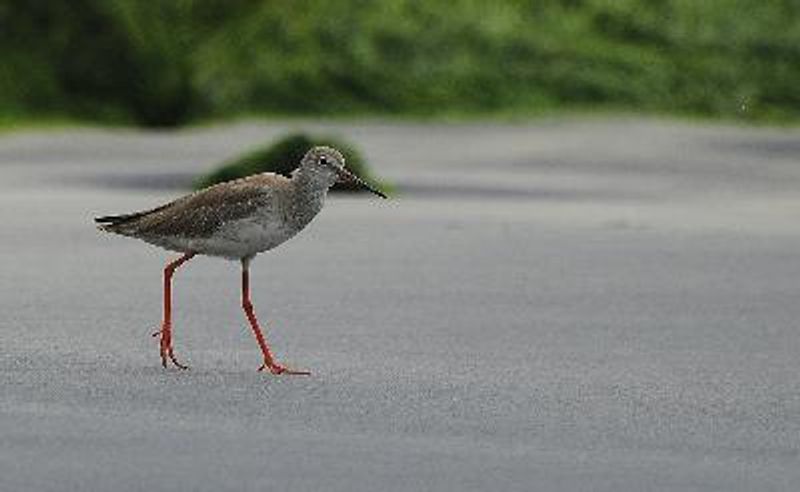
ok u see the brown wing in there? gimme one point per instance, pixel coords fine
(201, 213)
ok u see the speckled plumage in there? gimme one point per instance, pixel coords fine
(241, 218)
(236, 220)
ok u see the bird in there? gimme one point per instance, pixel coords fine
(236, 220)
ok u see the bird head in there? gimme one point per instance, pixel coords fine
(328, 164)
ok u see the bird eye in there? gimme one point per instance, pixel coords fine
(323, 161)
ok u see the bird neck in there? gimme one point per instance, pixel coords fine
(312, 180)
(309, 197)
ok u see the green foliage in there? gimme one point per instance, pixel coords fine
(165, 62)
(105, 60)
(283, 156)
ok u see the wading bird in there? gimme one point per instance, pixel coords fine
(236, 220)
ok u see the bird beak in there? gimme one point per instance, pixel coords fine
(347, 176)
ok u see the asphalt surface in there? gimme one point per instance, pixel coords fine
(561, 306)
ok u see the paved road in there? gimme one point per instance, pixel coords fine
(562, 306)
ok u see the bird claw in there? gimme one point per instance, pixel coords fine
(166, 350)
(174, 361)
(279, 369)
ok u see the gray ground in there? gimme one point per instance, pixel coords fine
(569, 305)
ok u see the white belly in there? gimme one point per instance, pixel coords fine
(242, 238)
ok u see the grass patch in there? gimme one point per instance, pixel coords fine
(168, 62)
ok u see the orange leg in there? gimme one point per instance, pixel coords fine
(166, 324)
(247, 305)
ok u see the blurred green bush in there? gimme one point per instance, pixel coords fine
(284, 155)
(166, 62)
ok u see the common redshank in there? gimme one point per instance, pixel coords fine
(236, 220)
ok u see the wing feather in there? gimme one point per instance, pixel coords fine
(199, 214)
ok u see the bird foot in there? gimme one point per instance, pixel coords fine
(279, 369)
(166, 349)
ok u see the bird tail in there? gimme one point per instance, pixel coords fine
(113, 220)
(118, 223)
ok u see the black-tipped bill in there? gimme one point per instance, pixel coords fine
(345, 175)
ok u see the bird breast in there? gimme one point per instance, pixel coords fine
(267, 228)
(246, 237)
